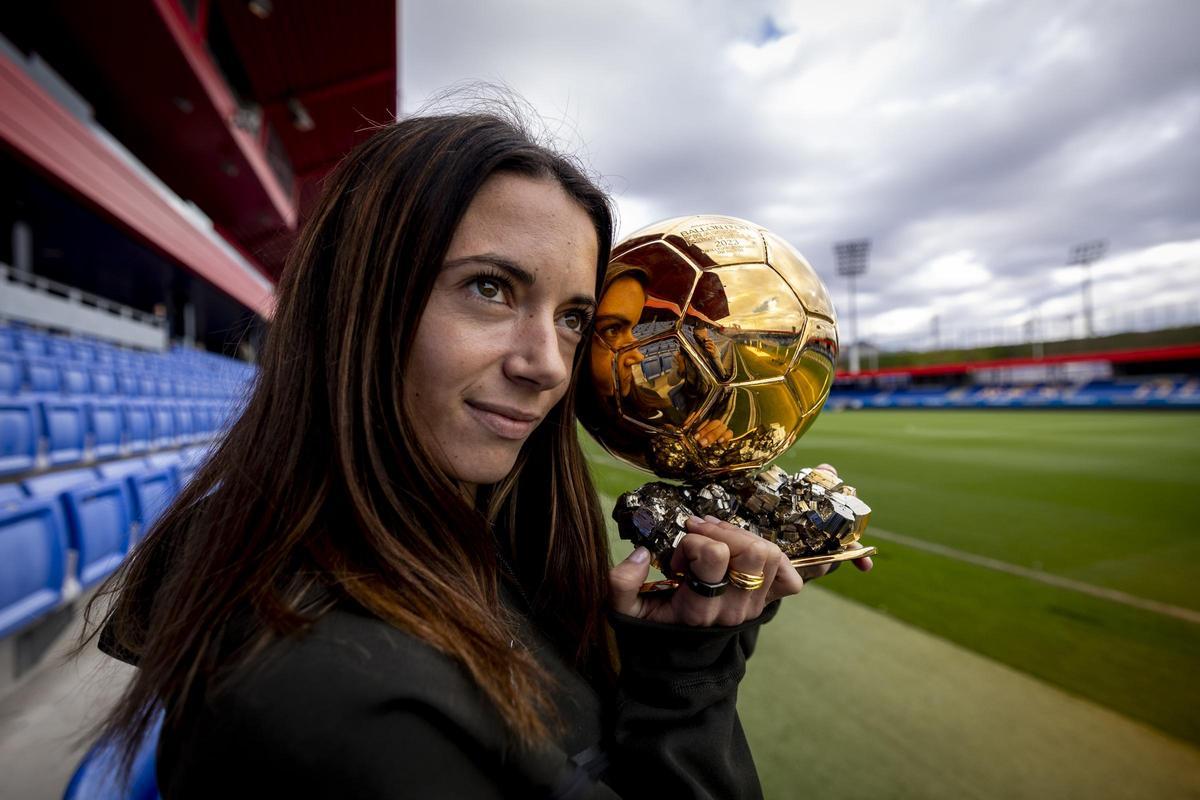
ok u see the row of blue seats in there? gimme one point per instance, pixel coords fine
(37, 344)
(62, 532)
(1089, 396)
(42, 432)
(30, 374)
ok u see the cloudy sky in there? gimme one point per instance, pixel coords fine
(973, 142)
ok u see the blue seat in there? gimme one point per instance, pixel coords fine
(98, 525)
(147, 386)
(31, 344)
(185, 425)
(59, 349)
(151, 492)
(74, 379)
(42, 375)
(20, 427)
(33, 555)
(152, 484)
(104, 382)
(52, 484)
(162, 423)
(122, 469)
(83, 351)
(98, 517)
(137, 426)
(11, 374)
(8, 340)
(128, 383)
(97, 776)
(104, 426)
(64, 424)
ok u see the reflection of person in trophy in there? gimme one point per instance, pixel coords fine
(620, 311)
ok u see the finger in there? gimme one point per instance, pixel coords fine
(625, 579)
(788, 580)
(703, 556)
(707, 560)
(865, 563)
(828, 468)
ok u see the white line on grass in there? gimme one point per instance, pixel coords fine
(1166, 609)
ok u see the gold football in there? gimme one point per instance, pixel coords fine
(713, 348)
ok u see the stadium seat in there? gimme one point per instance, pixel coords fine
(59, 349)
(74, 379)
(31, 344)
(127, 383)
(136, 426)
(152, 483)
(84, 352)
(152, 491)
(162, 423)
(147, 386)
(10, 374)
(33, 551)
(104, 427)
(96, 777)
(8, 340)
(52, 484)
(20, 424)
(64, 424)
(104, 382)
(185, 425)
(42, 375)
(122, 469)
(98, 523)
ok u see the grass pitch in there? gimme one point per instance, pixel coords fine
(1109, 499)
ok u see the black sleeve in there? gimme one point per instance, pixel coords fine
(675, 731)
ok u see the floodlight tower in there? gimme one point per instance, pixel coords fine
(852, 258)
(1083, 255)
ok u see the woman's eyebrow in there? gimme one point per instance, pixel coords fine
(515, 270)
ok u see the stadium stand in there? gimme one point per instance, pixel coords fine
(1148, 378)
(86, 463)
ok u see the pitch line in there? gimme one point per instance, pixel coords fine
(1153, 606)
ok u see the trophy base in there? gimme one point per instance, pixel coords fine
(848, 553)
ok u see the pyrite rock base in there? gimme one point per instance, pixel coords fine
(813, 516)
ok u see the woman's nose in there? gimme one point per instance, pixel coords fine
(537, 355)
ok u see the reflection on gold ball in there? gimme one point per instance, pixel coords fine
(714, 348)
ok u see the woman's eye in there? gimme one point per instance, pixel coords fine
(488, 289)
(574, 321)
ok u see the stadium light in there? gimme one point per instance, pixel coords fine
(1083, 255)
(852, 258)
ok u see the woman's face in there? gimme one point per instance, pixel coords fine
(495, 346)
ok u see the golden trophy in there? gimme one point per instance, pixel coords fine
(713, 349)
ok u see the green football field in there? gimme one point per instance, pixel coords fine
(1031, 629)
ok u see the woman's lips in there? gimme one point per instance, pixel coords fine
(505, 422)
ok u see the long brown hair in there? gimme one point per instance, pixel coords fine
(320, 484)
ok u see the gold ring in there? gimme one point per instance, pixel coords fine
(744, 580)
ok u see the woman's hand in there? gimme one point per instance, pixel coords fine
(708, 551)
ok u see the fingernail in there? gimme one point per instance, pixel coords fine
(640, 556)
(695, 520)
(711, 518)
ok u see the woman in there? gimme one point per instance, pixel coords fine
(391, 578)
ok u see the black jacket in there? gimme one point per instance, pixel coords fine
(358, 709)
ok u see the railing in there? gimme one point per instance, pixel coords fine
(30, 298)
